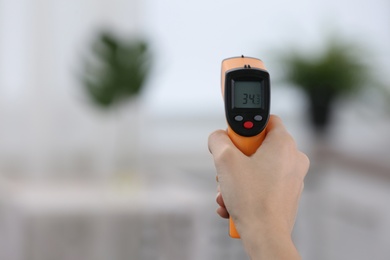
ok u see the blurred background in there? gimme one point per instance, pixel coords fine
(106, 106)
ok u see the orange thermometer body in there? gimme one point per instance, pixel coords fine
(246, 91)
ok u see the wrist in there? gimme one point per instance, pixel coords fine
(269, 242)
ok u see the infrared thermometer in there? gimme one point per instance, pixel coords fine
(246, 91)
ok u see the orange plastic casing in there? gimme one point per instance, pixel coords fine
(247, 145)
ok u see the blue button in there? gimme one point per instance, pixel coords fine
(238, 118)
(258, 118)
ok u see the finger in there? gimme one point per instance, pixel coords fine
(277, 138)
(222, 212)
(220, 201)
(275, 125)
(218, 141)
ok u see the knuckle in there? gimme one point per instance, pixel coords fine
(226, 153)
(287, 142)
(304, 163)
(306, 160)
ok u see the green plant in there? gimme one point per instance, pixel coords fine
(115, 70)
(338, 70)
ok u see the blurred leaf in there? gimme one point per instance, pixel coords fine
(115, 70)
(340, 69)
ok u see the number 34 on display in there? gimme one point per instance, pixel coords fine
(251, 99)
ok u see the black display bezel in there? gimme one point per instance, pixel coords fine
(248, 114)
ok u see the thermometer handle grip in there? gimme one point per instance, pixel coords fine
(248, 146)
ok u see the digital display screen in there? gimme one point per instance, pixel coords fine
(247, 94)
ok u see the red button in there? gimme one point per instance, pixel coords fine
(248, 124)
